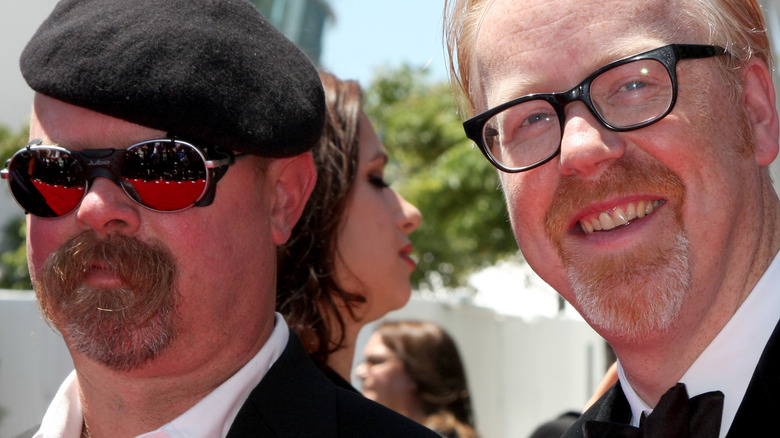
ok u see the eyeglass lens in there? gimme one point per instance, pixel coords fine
(623, 97)
(49, 181)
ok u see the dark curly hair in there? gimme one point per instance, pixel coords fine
(307, 294)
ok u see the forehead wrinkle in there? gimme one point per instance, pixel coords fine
(535, 44)
(535, 78)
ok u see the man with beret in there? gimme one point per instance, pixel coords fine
(168, 158)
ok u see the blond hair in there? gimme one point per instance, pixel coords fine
(737, 25)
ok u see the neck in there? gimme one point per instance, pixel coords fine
(341, 360)
(122, 404)
(411, 407)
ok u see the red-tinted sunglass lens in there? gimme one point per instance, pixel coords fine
(165, 176)
(46, 182)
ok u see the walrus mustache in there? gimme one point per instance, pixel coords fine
(146, 271)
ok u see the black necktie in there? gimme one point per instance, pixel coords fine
(675, 416)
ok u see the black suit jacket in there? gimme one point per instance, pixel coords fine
(295, 399)
(756, 416)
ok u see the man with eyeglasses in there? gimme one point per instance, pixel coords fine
(632, 140)
(169, 155)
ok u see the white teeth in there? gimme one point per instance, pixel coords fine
(620, 216)
(606, 221)
(588, 227)
(640, 209)
(631, 211)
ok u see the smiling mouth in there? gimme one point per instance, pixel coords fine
(618, 216)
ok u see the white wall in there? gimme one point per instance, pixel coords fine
(18, 21)
(33, 362)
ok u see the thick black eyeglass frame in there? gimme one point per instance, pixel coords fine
(667, 55)
(107, 163)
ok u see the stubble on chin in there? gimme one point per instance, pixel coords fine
(120, 327)
(630, 293)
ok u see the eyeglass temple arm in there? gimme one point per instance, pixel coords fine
(4, 173)
(217, 169)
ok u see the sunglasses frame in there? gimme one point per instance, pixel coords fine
(107, 163)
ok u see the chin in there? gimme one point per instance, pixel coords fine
(404, 295)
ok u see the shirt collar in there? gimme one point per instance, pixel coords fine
(743, 337)
(210, 417)
(64, 417)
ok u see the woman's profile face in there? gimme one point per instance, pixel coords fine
(384, 379)
(373, 253)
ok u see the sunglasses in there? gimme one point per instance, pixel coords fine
(163, 175)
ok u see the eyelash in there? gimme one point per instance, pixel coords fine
(378, 181)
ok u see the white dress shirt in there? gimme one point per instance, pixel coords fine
(211, 417)
(728, 363)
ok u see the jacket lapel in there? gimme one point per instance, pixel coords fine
(293, 399)
(756, 413)
(612, 406)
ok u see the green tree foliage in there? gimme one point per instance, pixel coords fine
(13, 254)
(465, 224)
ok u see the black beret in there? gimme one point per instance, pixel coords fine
(206, 70)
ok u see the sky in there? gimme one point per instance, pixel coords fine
(18, 21)
(369, 34)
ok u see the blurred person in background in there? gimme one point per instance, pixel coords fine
(348, 260)
(414, 368)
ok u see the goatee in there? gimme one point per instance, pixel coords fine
(120, 327)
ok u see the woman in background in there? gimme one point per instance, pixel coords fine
(414, 368)
(348, 260)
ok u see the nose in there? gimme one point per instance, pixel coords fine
(361, 371)
(586, 144)
(410, 217)
(107, 209)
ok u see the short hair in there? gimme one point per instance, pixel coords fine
(461, 26)
(737, 25)
(431, 359)
(307, 293)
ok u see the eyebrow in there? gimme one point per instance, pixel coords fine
(533, 82)
(379, 357)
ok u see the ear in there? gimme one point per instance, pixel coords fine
(759, 100)
(294, 179)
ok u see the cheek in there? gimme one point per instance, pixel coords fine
(528, 197)
(357, 236)
(388, 380)
(43, 238)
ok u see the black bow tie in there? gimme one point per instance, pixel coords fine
(675, 416)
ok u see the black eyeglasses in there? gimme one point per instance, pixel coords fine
(162, 175)
(624, 95)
